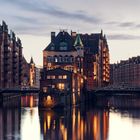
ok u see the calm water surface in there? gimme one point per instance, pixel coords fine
(89, 123)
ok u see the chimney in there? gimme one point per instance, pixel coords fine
(52, 36)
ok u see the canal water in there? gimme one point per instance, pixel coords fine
(107, 120)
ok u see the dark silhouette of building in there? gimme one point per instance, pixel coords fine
(10, 59)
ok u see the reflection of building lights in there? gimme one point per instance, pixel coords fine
(48, 121)
(31, 101)
(64, 131)
(45, 130)
(95, 127)
(82, 129)
(73, 98)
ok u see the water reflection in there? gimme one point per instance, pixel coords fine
(27, 122)
(74, 124)
(9, 124)
(29, 101)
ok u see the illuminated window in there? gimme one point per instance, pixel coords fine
(64, 76)
(48, 77)
(82, 80)
(56, 59)
(44, 89)
(53, 77)
(61, 86)
(60, 77)
(49, 64)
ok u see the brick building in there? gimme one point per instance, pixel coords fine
(86, 55)
(126, 73)
(10, 59)
(96, 60)
(31, 74)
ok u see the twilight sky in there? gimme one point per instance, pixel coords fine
(33, 20)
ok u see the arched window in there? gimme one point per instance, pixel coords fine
(71, 58)
(49, 59)
(60, 58)
(55, 59)
(66, 58)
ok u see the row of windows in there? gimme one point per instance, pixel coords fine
(59, 77)
(62, 46)
(60, 59)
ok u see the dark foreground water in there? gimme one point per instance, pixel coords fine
(119, 121)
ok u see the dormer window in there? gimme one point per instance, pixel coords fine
(52, 46)
(63, 46)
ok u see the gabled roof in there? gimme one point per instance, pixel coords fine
(91, 42)
(62, 40)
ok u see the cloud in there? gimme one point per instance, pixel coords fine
(127, 24)
(122, 37)
(41, 7)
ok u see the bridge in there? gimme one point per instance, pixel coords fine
(117, 91)
(31, 90)
(8, 94)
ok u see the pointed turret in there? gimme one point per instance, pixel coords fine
(31, 61)
(79, 46)
(101, 32)
(78, 41)
(4, 26)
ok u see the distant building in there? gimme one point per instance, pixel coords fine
(25, 82)
(37, 77)
(126, 73)
(10, 59)
(31, 74)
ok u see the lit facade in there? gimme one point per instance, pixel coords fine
(32, 74)
(96, 60)
(82, 54)
(63, 52)
(63, 67)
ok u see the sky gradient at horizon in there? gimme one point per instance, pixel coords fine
(33, 21)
